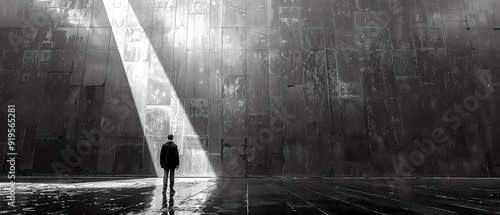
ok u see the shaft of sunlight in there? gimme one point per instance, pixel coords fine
(138, 57)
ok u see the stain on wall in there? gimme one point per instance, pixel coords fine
(255, 87)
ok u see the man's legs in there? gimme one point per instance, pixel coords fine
(165, 177)
(172, 176)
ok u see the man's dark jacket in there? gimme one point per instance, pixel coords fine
(169, 155)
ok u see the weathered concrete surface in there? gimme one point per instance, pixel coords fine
(317, 87)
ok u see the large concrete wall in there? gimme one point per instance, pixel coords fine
(271, 87)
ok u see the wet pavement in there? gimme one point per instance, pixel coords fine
(254, 196)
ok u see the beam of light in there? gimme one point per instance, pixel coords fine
(137, 60)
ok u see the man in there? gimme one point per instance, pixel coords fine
(169, 161)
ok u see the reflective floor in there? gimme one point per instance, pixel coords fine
(254, 196)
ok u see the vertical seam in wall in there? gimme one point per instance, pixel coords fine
(248, 199)
(209, 71)
(304, 78)
(222, 71)
(245, 48)
(186, 49)
(474, 66)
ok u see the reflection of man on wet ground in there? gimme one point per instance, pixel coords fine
(170, 205)
(169, 161)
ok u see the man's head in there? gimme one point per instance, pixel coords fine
(170, 137)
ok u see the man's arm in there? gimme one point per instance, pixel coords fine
(177, 157)
(162, 155)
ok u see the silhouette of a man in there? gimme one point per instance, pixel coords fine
(169, 161)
